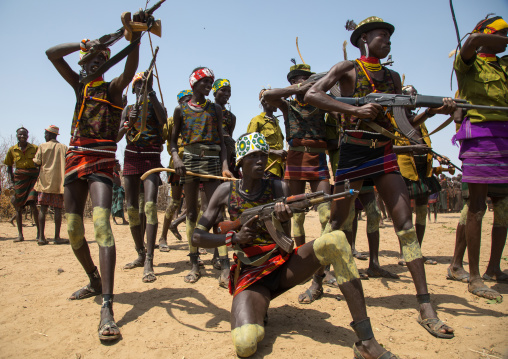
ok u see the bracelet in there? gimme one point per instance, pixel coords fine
(82, 44)
(151, 93)
(229, 238)
(428, 114)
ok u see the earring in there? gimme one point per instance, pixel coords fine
(366, 48)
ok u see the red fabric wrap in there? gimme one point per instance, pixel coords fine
(140, 162)
(87, 160)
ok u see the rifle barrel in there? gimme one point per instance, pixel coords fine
(482, 107)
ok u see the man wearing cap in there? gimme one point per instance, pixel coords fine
(144, 145)
(199, 123)
(268, 125)
(482, 78)
(262, 271)
(23, 179)
(50, 157)
(366, 155)
(306, 159)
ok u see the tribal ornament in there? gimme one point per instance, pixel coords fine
(199, 75)
(249, 143)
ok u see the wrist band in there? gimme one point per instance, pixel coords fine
(428, 114)
(82, 44)
(229, 237)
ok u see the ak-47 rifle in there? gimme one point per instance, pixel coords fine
(418, 148)
(154, 26)
(143, 97)
(398, 103)
(297, 204)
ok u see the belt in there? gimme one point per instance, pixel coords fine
(372, 143)
(308, 149)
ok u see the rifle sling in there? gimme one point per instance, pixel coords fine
(111, 62)
(382, 131)
(443, 125)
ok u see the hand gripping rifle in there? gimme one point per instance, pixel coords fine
(154, 26)
(398, 103)
(143, 97)
(299, 203)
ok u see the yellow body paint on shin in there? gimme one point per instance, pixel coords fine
(333, 248)
(421, 215)
(373, 216)
(169, 209)
(298, 221)
(151, 213)
(223, 251)
(189, 229)
(348, 223)
(102, 227)
(76, 230)
(324, 217)
(133, 215)
(410, 247)
(463, 213)
(501, 212)
(246, 339)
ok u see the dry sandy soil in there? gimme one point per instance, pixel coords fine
(172, 319)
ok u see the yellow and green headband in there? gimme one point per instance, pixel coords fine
(219, 83)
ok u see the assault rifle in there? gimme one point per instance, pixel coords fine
(299, 203)
(418, 148)
(399, 103)
(153, 26)
(143, 96)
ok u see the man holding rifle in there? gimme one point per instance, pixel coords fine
(366, 155)
(263, 270)
(90, 162)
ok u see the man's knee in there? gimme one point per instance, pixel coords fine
(298, 221)
(324, 213)
(333, 248)
(373, 216)
(133, 215)
(76, 230)
(409, 242)
(421, 215)
(501, 212)
(151, 213)
(348, 223)
(246, 339)
(102, 227)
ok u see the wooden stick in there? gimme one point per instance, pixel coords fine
(155, 170)
(271, 165)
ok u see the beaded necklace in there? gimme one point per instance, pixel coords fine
(371, 63)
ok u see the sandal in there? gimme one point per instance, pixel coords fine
(107, 326)
(432, 325)
(86, 292)
(363, 331)
(163, 245)
(192, 277)
(310, 296)
(138, 262)
(60, 241)
(429, 261)
(482, 293)
(360, 256)
(42, 242)
(464, 277)
(501, 278)
(385, 355)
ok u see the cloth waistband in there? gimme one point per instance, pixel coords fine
(202, 150)
(307, 149)
(372, 143)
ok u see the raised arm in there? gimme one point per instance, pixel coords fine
(56, 55)
(476, 40)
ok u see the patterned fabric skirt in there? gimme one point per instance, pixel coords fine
(484, 152)
(55, 200)
(251, 274)
(24, 182)
(307, 166)
(357, 162)
(425, 186)
(495, 190)
(206, 165)
(118, 199)
(138, 160)
(90, 159)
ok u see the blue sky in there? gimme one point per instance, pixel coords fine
(248, 42)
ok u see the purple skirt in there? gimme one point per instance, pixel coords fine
(484, 151)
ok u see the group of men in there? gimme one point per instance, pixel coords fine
(366, 148)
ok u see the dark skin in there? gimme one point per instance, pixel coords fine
(48, 136)
(391, 186)
(275, 98)
(201, 89)
(75, 194)
(22, 136)
(492, 44)
(222, 96)
(250, 306)
(151, 183)
(269, 110)
(176, 191)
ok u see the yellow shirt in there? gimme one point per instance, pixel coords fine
(15, 156)
(406, 161)
(167, 130)
(271, 130)
(51, 158)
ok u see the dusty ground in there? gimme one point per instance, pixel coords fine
(172, 319)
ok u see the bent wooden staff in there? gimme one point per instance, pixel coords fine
(155, 170)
